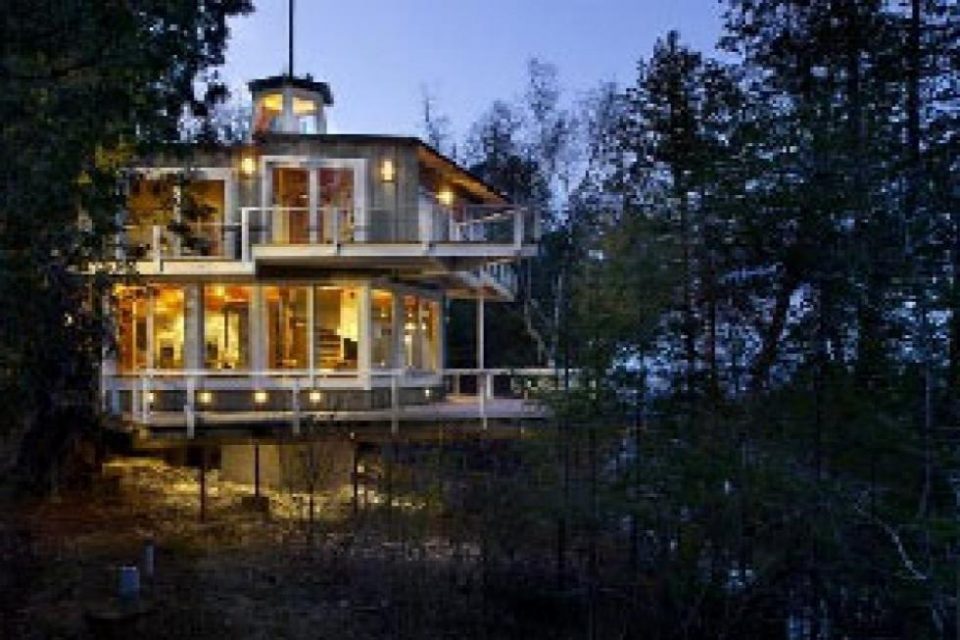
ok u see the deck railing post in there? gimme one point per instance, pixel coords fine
(335, 228)
(156, 240)
(295, 404)
(145, 399)
(245, 234)
(394, 403)
(518, 228)
(190, 414)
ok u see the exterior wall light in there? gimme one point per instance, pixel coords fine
(204, 397)
(427, 393)
(316, 397)
(388, 171)
(260, 397)
(248, 166)
(151, 397)
(445, 197)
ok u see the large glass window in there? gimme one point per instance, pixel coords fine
(430, 324)
(287, 327)
(381, 347)
(203, 208)
(226, 327)
(291, 196)
(411, 336)
(305, 111)
(150, 202)
(168, 327)
(132, 311)
(269, 112)
(336, 202)
(336, 317)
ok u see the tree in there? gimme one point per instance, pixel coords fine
(88, 85)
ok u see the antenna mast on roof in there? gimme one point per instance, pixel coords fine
(290, 42)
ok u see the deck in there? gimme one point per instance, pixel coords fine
(463, 414)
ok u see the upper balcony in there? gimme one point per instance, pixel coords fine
(289, 203)
(430, 238)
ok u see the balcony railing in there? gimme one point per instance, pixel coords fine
(425, 225)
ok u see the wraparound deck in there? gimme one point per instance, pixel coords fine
(288, 403)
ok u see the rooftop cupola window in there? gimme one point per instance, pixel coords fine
(285, 104)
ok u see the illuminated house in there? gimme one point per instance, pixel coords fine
(300, 274)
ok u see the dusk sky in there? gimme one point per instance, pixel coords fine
(378, 55)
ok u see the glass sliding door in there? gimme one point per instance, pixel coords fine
(381, 326)
(411, 333)
(226, 327)
(203, 212)
(430, 330)
(287, 327)
(131, 312)
(336, 203)
(168, 326)
(291, 200)
(336, 317)
(150, 202)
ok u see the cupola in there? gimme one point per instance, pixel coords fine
(288, 104)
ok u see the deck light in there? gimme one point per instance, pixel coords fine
(427, 393)
(151, 397)
(445, 197)
(316, 397)
(388, 171)
(248, 166)
(260, 397)
(205, 397)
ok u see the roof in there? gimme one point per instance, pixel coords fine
(307, 83)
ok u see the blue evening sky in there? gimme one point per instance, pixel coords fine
(379, 55)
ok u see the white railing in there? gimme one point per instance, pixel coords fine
(296, 393)
(426, 225)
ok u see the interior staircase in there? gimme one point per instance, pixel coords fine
(327, 348)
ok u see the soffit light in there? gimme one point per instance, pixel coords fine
(445, 197)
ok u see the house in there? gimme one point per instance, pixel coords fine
(302, 274)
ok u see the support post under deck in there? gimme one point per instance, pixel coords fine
(481, 364)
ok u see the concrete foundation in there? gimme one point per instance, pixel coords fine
(321, 464)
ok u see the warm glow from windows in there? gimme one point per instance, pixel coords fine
(168, 327)
(382, 347)
(302, 106)
(226, 327)
(288, 336)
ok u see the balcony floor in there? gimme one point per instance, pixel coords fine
(459, 413)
